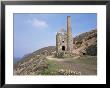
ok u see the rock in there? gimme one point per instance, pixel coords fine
(31, 66)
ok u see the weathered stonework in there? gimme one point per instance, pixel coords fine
(64, 40)
(69, 35)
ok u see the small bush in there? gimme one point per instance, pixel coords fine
(92, 50)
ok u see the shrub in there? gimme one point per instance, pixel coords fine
(92, 50)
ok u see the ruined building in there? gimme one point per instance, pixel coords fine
(64, 39)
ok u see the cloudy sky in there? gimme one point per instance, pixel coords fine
(35, 31)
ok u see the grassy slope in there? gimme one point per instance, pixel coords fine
(87, 65)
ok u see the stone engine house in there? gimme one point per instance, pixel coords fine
(64, 39)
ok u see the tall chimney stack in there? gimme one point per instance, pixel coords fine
(69, 35)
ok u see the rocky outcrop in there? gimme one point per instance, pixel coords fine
(86, 43)
(33, 65)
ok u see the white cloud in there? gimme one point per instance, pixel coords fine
(38, 23)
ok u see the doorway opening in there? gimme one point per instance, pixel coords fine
(63, 48)
(84, 53)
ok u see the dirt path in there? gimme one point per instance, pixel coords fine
(83, 65)
(61, 59)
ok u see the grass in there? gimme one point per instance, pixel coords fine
(90, 60)
(88, 63)
(51, 70)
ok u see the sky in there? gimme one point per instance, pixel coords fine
(33, 31)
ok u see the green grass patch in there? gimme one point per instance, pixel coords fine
(92, 60)
(51, 70)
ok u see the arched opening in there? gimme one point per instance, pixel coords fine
(63, 48)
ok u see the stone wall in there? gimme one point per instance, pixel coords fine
(69, 35)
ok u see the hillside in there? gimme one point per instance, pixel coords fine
(86, 43)
(35, 63)
(49, 50)
(85, 35)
